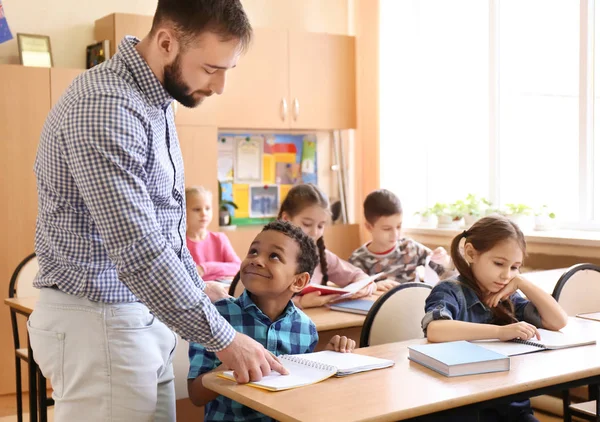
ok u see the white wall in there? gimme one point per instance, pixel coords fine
(70, 23)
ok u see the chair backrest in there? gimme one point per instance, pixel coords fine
(236, 288)
(21, 282)
(578, 290)
(396, 315)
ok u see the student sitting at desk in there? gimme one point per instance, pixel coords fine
(396, 256)
(212, 251)
(482, 302)
(279, 264)
(307, 207)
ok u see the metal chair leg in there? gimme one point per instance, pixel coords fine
(19, 389)
(32, 372)
(566, 397)
(42, 396)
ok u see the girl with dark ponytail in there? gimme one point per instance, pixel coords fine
(307, 206)
(482, 301)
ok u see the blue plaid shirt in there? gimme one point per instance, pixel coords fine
(293, 333)
(453, 299)
(111, 199)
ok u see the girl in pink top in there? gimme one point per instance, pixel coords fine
(212, 251)
(307, 206)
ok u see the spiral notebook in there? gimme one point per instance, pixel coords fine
(311, 368)
(550, 340)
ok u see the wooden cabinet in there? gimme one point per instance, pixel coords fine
(115, 26)
(322, 81)
(287, 80)
(60, 79)
(256, 91)
(24, 105)
(199, 149)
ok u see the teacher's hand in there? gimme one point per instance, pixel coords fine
(249, 360)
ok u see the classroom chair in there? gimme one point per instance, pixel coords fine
(577, 292)
(21, 285)
(396, 315)
(236, 288)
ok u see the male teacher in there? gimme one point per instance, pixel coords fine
(110, 238)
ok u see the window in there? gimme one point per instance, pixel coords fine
(484, 97)
(538, 104)
(434, 100)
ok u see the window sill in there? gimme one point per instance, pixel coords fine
(553, 242)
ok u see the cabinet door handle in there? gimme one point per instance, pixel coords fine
(284, 109)
(296, 109)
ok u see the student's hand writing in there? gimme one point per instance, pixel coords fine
(440, 256)
(216, 291)
(315, 299)
(385, 285)
(249, 360)
(341, 344)
(519, 330)
(504, 293)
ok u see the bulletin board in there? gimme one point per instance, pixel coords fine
(257, 171)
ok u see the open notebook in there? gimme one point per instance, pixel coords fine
(311, 368)
(345, 292)
(550, 340)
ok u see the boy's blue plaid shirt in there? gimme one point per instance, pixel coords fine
(292, 333)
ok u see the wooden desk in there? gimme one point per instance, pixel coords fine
(408, 389)
(24, 305)
(329, 323)
(594, 316)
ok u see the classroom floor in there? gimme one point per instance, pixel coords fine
(8, 411)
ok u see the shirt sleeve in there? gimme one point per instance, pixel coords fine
(106, 157)
(423, 252)
(341, 272)
(442, 303)
(229, 266)
(201, 360)
(525, 310)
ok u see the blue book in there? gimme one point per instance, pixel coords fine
(458, 358)
(357, 306)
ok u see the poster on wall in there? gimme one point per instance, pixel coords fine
(225, 159)
(5, 34)
(248, 159)
(264, 201)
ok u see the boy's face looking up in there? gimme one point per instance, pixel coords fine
(386, 231)
(270, 270)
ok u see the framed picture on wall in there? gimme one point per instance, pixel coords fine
(35, 50)
(264, 201)
(248, 159)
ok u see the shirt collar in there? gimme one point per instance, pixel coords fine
(246, 303)
(142, 74)
(470, 296)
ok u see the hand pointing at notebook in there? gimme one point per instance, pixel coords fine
(249, 360)
(519, 330)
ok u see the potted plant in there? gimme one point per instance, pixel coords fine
(444, 215)
(475, 207)
(225, 209)
(544, 219)
(427, 217)
(458, 211)
(521, 215)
